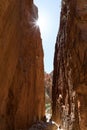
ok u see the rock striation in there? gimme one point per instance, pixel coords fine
(48, 77)
(22, 99)
(69, 90)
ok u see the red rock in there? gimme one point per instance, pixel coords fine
(22, 99)
(70, 61)
(48, 86)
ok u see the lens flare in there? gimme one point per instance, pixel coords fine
(38, 22)
(41, 23)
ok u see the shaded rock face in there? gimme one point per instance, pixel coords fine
(48, 86)
(48, 78)
(70, 66)
(21, 66)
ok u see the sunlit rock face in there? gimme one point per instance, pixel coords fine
(70, 67)
(21, 66)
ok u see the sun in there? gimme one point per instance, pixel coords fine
(41, 23)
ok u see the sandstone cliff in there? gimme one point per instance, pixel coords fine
(48, 86)
(21, 66)
(70, 66)
(48, 78)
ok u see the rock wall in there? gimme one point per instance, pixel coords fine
(21, 66)
(48, 86)
(70, 67)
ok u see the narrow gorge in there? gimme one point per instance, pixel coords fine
(22, 91)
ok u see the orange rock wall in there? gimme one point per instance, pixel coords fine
(70, 61)
(21, 66)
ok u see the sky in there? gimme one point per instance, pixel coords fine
(49, 16)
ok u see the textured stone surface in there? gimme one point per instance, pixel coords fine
(48, 87)
(44, 126)
(70, 64)
(21, 66)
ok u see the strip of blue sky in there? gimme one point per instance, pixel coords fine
(49, 11)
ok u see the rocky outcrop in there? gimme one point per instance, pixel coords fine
(48, 78)
(21, 66)
(70, 67)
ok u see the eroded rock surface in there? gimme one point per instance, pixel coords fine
(70, 67)
(48, 78)
(43, 126)
(21, 66)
